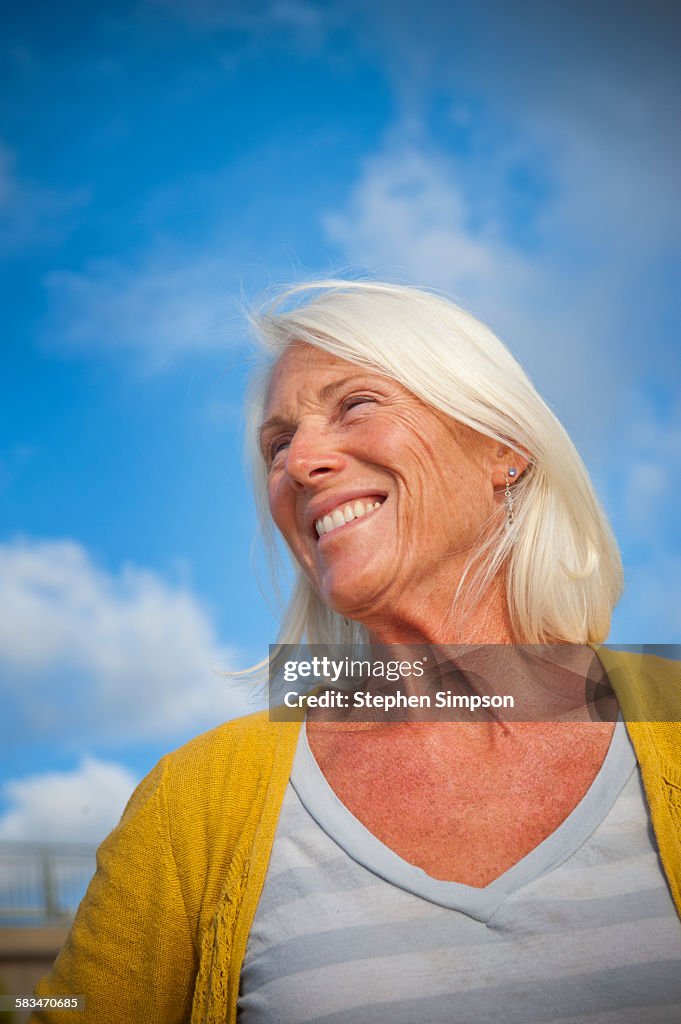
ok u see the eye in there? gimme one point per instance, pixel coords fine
(277, 445)
(355, 400)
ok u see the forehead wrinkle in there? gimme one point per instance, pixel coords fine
(274, 421)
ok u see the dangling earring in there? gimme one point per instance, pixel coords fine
(509, 501)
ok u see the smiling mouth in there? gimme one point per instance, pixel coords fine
(346, 513)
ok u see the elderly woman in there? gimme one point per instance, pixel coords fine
(373, 871)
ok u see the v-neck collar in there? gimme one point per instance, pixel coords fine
(322, 803)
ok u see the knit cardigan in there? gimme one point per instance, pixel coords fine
(161, 934)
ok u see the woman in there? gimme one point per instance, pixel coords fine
(402, 871)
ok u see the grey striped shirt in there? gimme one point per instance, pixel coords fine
(582, 929)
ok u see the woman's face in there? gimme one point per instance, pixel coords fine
(400, 493)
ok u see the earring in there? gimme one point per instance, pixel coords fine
(509, 501)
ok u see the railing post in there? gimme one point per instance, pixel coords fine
(42, 881)
(51, 900)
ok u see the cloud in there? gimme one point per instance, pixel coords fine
(407, 214)
(564, 122)
(31, 214)
(412, 215)
(587, 78)
(531, 172)
(157, 310)
(88, 655)
(76, 806)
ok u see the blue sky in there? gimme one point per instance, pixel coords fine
(163, 161)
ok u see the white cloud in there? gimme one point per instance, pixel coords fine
(411, 215)
(30, 213)
(76, 806)
(407, 214)
(563, 117)
(107, 656)
(156, 310)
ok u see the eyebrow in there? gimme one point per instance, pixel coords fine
(323, 395)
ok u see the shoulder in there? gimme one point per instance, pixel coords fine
(201, 801)
(210, 785)
(647, 682)
(648, 688)
(242, 744)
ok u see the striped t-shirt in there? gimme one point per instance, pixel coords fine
(583, 929)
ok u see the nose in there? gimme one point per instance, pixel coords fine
(312, 455)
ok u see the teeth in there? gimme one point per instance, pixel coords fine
(345, 514)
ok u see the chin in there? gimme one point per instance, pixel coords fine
(350, 597)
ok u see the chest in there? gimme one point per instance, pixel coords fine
(457, 811)
(340, 933)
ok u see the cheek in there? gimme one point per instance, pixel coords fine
(447, 485)
(394, 442)
(281, 506)
(422, 458)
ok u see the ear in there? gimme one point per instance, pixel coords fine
(506, 465)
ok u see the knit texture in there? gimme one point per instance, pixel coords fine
(161, 933)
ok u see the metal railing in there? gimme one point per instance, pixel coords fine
(43, 883)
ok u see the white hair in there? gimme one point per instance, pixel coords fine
(562, 565)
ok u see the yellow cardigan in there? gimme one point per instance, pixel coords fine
(162, 932)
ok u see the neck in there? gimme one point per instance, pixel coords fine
(438, 621)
